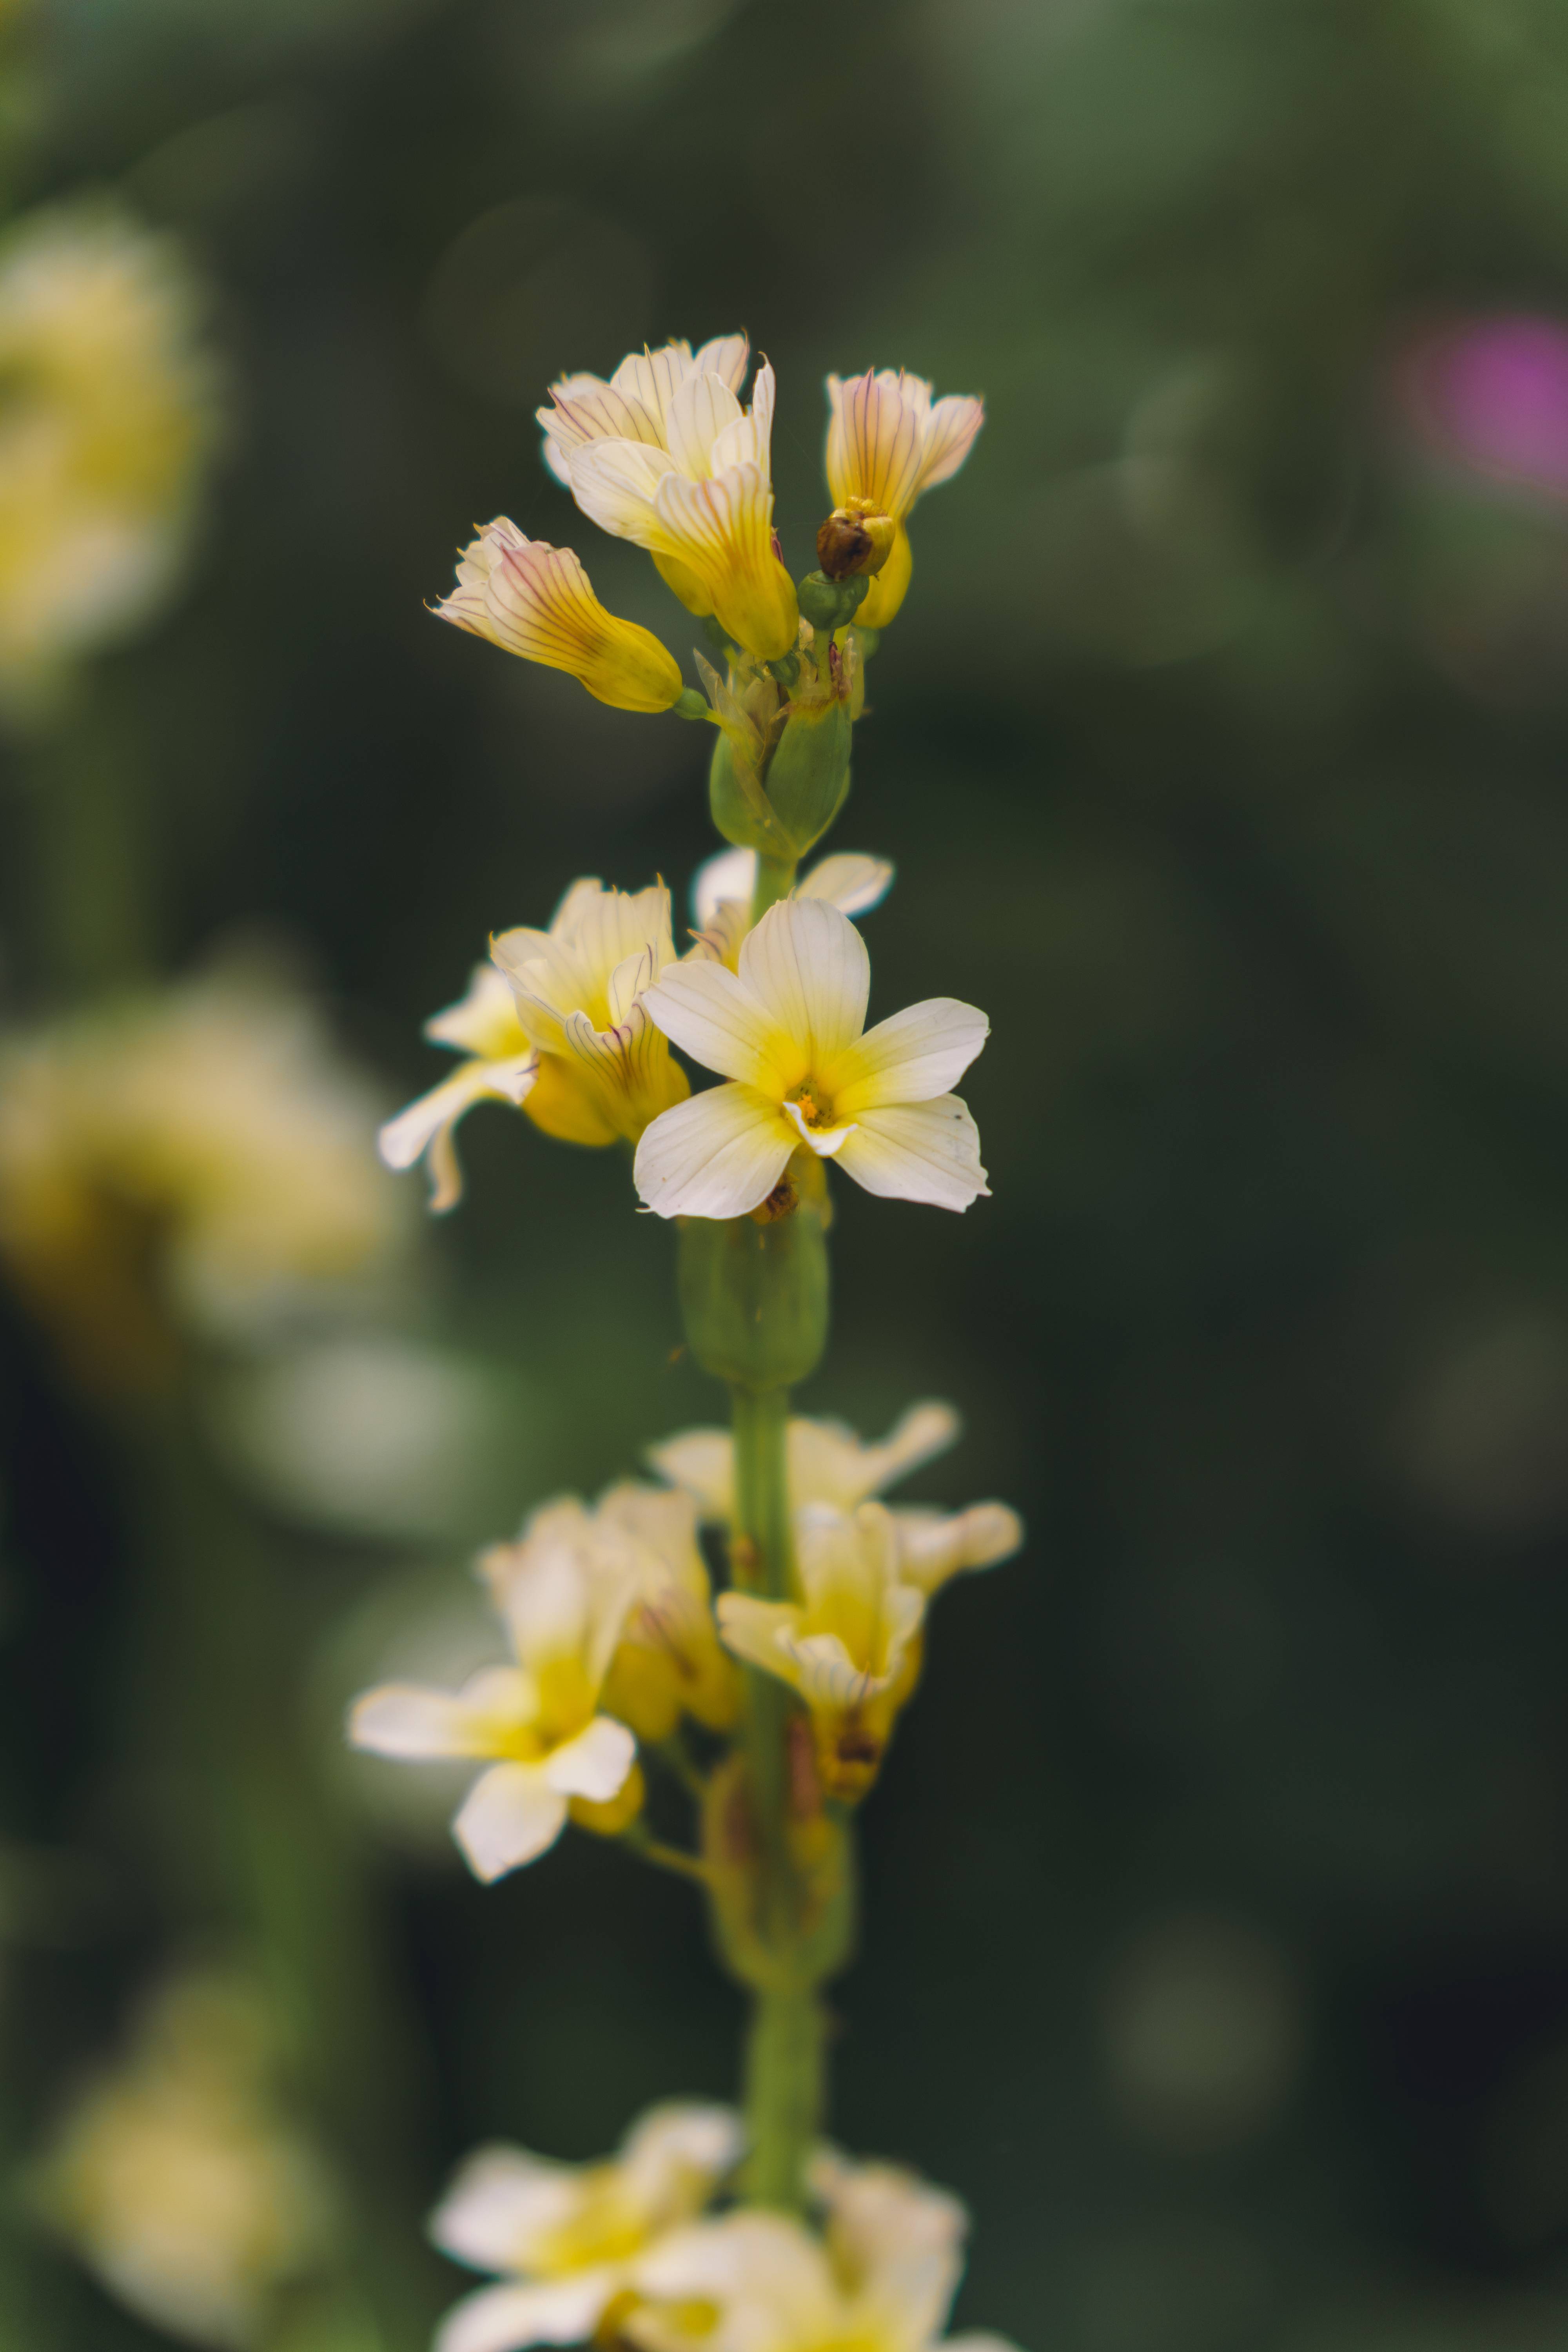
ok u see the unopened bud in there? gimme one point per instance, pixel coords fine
(855, 541)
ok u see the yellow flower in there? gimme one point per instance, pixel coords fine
(193, 1155)
(556, 1027)
(831, 1469)
(669, 1661)
(664, 454)
(887, 444)
(786, 1031)
(176, 2180)
(537, 601)
(537, 1724)
(722, 893)
(564, 2236)
(110, 418)
(881, 2281)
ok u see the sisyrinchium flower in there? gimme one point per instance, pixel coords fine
(722, 893)
(537, 601)
(664, 454)
(538, 1727)
(667, 1661)
(887, 444)
(555, 1025)
(832, 1469)
(563, 2236)
(881, 2279)
(787, 1029)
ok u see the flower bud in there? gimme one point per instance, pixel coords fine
(855, 541)
(754, 1297)
(809, 775)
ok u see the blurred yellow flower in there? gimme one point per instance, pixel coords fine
(786, 1030)
(563, 1594)
(537, 601)
(664, 454)
(564, 2235)
(555, 1026)
(887, 444)
(881, 2279)
(177, 2182)
(669, 1662)
(722, 893)
(109, 417)
(200, 1154)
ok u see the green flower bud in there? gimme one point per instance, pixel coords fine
(742, 817)
(809, 775)
(831, 604)
(754, 1297)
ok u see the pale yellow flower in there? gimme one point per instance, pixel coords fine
(198, 1154)
(881, 2280)
(176, 2180)
(664, 454)
(110, 419)
(831, 1469)
(786, 1032)
(537, 1725)
(887, 444)
(564, 2236)
(537, 601)
(669, 1662)
(555, 1026)
(722, 893)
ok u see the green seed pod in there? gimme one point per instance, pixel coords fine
(809, 775)
(754, 1297)
(735, 812)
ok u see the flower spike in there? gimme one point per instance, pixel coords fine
(537, 601)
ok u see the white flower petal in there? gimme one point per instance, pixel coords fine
(719, 1154)
(681, 2136)
(897, 2241)
(511, 1816)
(725, 356)
(595, 1763)
(702, 1461)
(755, 1631)
(848, 880)
(701, 409)
(806, 964)
(482, 1022)
(498, 2199)
(935, 1545)
(615, 484)
(550, 2311)
(910, 1057)
(706, 1011)
(424, 1129)
(732, 875)
(408, 1719)
(950, 435)
(826, 1141)
(918, 1151)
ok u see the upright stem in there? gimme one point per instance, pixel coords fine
(784, 2088)
(775, 880)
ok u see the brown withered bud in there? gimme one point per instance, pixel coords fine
(856, 539)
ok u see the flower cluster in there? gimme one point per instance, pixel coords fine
(622, 2249)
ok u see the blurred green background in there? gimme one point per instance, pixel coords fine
(1216, 1947)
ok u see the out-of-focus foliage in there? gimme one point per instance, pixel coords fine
(1219, 1953)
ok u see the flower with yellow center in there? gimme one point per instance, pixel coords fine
(537, 1725)
(176, 2179)
(198, 1155)
(537, 601)
(881, 2279)
(887, 444)
(787, 1029)
(556, 1027)
(664, 454)
(722, 893)
(831, 1469)
(850, 1646)
(563, 2236)
(110, 418)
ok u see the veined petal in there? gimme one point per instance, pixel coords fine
(725, 356)
(483, 1022)
(702, 406)
(413, 1721)
(585, 408)
(712, 1016)
(722, 530)
(614, 483)
(425, 1127)
(756, 1631)
(848, 880)
(918, 1151)
(702, 1461)
(536, 601)
(910, 1057)
(806, 965)
(824, 1672)
(595, 1763)
(511, 1815)
(876, 438)
(655, 377)
(547, 2311)
(935, 1545)
(719, 1154)
(950, 436)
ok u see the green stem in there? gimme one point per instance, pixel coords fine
(775, 880)
(785, 2086)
